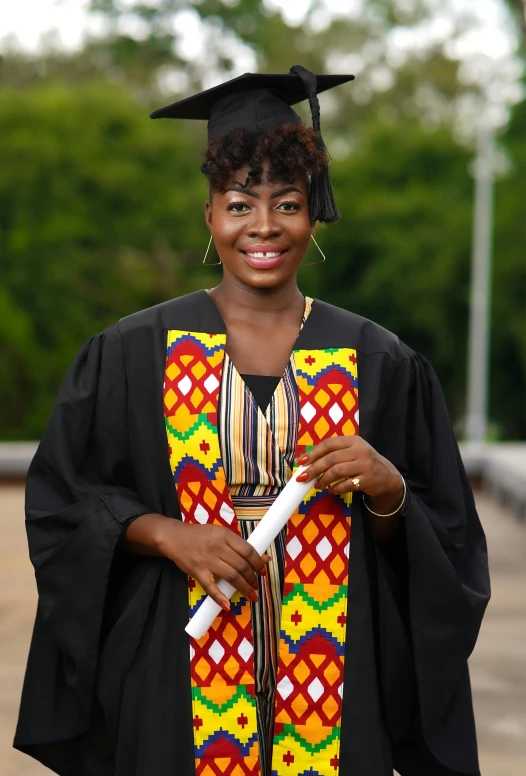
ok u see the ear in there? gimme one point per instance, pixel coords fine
(208, 214)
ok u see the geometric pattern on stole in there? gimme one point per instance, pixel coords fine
(312, 638)
(314, 613)
(221, 663)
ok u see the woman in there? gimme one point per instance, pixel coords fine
(344, 650)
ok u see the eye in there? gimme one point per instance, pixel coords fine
(237, 207)
(289, 206)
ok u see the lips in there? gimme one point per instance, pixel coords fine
(264, 256)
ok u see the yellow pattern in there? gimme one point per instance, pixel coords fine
(201, 444)
(215, 342)
(224, 719)
(312, 618)
(342, 357)
(305, 761)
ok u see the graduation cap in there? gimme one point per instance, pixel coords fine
(257, 102)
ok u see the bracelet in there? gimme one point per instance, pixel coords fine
(389, 514)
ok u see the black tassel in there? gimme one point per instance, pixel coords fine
(321, 196)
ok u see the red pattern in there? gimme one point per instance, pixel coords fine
(195, 489)
(346, 399)
(322, 517)
(223, 749)
(320, 657)
(185, 355)
(230, 634)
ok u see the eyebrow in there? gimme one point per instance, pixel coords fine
(251, 193)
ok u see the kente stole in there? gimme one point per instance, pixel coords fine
(313, 625)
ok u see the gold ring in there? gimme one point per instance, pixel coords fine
(356, 482)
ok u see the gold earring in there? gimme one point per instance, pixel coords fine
(213, 263)
(312, 263)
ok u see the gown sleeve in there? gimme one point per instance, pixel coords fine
(79, 499)
(433, 582)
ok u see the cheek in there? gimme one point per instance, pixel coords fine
(226, 230)
(302, 233)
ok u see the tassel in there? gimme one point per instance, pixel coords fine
(321, 196)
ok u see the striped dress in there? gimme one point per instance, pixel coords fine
(258, 450)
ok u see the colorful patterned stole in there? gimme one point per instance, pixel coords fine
(312, 644)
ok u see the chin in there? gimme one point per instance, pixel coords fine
(264, 278)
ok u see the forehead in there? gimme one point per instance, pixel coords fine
(241, 178)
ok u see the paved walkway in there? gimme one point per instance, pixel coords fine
(498, 665)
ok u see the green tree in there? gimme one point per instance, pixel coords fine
(100, 215)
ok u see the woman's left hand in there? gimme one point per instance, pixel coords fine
(339, 462)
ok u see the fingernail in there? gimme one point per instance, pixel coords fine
(317, 485)
(302, 460)
(263, 571)
(225, 605)
(330, 490)
(253, 596)
(303, 477)
(255, 585)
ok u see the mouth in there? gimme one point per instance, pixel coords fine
(264, 259)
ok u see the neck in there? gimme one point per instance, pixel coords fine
(237, 300)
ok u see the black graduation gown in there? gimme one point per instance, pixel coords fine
(107, 688)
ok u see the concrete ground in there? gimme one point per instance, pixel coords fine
(498, 666)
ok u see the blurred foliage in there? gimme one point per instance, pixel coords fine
(101, 213)
(519, 9)
(101, 210)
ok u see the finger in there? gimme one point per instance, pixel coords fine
(208, 584)
(242, 566)
(246, 551)
(266, 560)
(327, 446)
(233, 577)
(341, 471)
(344, 456)
(347, 486)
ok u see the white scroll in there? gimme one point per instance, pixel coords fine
(261, 538)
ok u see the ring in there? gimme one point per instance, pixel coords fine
(356, 482)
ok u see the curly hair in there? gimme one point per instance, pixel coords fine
(290, 151)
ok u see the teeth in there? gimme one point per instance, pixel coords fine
(259, 255)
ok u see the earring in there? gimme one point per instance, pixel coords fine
(213, 263)
(312, 263)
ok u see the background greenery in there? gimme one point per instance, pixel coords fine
(101, 209)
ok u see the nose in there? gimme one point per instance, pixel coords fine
(263, 225)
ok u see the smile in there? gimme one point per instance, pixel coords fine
(261, 255)
(264, 259)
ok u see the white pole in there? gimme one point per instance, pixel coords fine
(478, 352)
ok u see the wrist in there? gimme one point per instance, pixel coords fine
(149, 534)
(166, 536)
(390, 500)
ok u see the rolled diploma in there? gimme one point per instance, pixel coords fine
(261, 538)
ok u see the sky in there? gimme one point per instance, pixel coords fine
(29, 20)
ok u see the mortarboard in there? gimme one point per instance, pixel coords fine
(258, 101)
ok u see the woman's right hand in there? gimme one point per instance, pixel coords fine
(204, 552)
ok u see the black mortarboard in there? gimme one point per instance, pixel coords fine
(256, 102)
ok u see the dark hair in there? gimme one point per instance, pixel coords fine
(291, 151)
